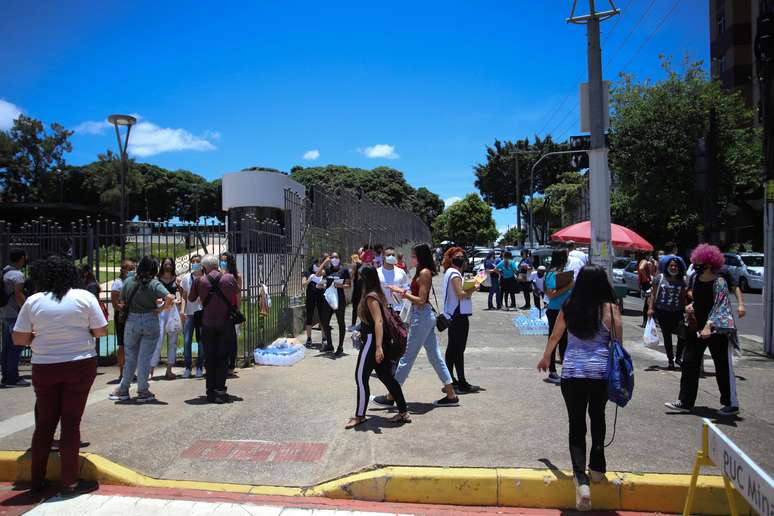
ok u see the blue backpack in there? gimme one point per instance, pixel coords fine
(620, 370)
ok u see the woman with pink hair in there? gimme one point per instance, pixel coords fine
(710, 324)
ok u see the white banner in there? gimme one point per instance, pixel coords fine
(754, 484)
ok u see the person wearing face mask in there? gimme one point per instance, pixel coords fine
(710, 324)
(339, 277)
(537, 279)
(168, 277)
(192, 320)
(357, 284)
(228, 265)
(507, 269)
(457, 307)
(127, 270)
(391, 275)
(667, 305)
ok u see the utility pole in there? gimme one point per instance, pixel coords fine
(764, 54)
(599, 173)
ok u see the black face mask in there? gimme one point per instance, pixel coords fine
(700, 268)
(458, 261)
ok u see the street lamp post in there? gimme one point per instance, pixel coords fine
(127, 121)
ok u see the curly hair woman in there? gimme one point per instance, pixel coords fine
(710, 325)
(59, 324)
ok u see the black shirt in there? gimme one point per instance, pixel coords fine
(331, 275)
(703, 299)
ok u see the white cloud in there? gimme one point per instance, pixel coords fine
(148, 139)
(451, 200)
(92, 127)
(380, 150)
(8, 113)
(311, 155)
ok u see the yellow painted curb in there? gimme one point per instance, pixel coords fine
(510, 487)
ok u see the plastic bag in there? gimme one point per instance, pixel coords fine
(174, 324)
(650, 336)
(332, 297)
(405, 312)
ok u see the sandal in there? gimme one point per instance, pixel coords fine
(401, 418)
(353, 422)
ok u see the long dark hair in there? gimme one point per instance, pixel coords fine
(147, 269)
(424, 259)
(164, 262)
(231, 267)
(558, 259)
(371, 284)
(583, 309)
(54, 274)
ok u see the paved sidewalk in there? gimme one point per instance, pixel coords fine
(127, 501)
(285, 426)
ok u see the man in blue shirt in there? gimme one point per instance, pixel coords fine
(508, 272)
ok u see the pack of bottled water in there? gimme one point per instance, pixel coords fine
(536, 323)
(281, 352)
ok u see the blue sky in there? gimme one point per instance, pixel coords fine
(419, 86)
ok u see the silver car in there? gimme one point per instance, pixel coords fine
(746, 269)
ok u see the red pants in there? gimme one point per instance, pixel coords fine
(60, 396)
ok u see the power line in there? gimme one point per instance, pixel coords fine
(652, 34)
(631, 33)
(617, 22)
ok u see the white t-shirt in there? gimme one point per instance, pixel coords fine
(537, 281)
(450, 299)
(190, 306)
(575, 262)
(395, 276)
(61, 327)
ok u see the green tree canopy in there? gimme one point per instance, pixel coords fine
(654, 132)
(382, 184)
(513, 236)
(467, 222)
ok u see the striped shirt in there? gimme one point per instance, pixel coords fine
(587, 358)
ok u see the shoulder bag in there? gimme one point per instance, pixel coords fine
(233, 312)
(620, 370)
(441, 321)
(123, 314)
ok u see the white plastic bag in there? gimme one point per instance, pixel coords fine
(332, 297)
(650, 336)
(174, 324)
(405, 313)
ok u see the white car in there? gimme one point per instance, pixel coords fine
(746, 269)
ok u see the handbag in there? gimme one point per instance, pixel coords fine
(620, 370)
(234, 314)
(123, 314)
(442, 322)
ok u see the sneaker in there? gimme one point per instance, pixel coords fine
(82, 487)
(308, 343)
(597, 476)
(21, 382)
(384, 401)
(728, 410)
(118, 396)
(327, 349)
(677, 405)
(447, 402)
(467, 388)
(199, 372)
(186, 372)
(582, 496)
(340, 351)
(554, 378)
(145, 397)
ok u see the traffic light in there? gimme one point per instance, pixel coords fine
(580, 160)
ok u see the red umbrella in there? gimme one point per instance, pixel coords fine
(622, 237)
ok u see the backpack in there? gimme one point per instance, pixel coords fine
(4, 297)
(395, 334)
(620, 370)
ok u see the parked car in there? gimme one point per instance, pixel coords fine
(619, 264)
(746, 269)
(631, 278)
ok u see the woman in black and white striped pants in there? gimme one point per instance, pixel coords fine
(371, 356)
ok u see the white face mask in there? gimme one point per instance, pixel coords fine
(392, 259)
(335, 262)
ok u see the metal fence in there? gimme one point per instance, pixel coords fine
(269, 254)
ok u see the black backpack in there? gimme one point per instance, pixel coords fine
(3, 294)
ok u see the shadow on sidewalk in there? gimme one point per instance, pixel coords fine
(556, 471)
(202, 400)
(376, 423)
(709, 413)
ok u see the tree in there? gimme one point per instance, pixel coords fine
(513, 236)
(29, 159)
(427, 205)
(565, 194)
(655, 128)
(496, 178)
(466, 222)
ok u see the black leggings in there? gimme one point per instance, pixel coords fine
(366, 362)
(551, 315)
(315, 300)
(357, 292)
(508, 286)
(671, 322)
(455, 351)
(580, 395)
(722, 356)
(643, 289)
(341, 319)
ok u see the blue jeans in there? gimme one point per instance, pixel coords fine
(494, 291)
(188, 334)
(10, 353)
(422, 334)
(140, 336)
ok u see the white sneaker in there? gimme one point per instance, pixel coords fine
(597, 476)
(582, 496)
(186, 373)
(199, 372)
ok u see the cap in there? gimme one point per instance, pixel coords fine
(542, 268)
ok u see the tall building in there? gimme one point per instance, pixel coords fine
(732, 32)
